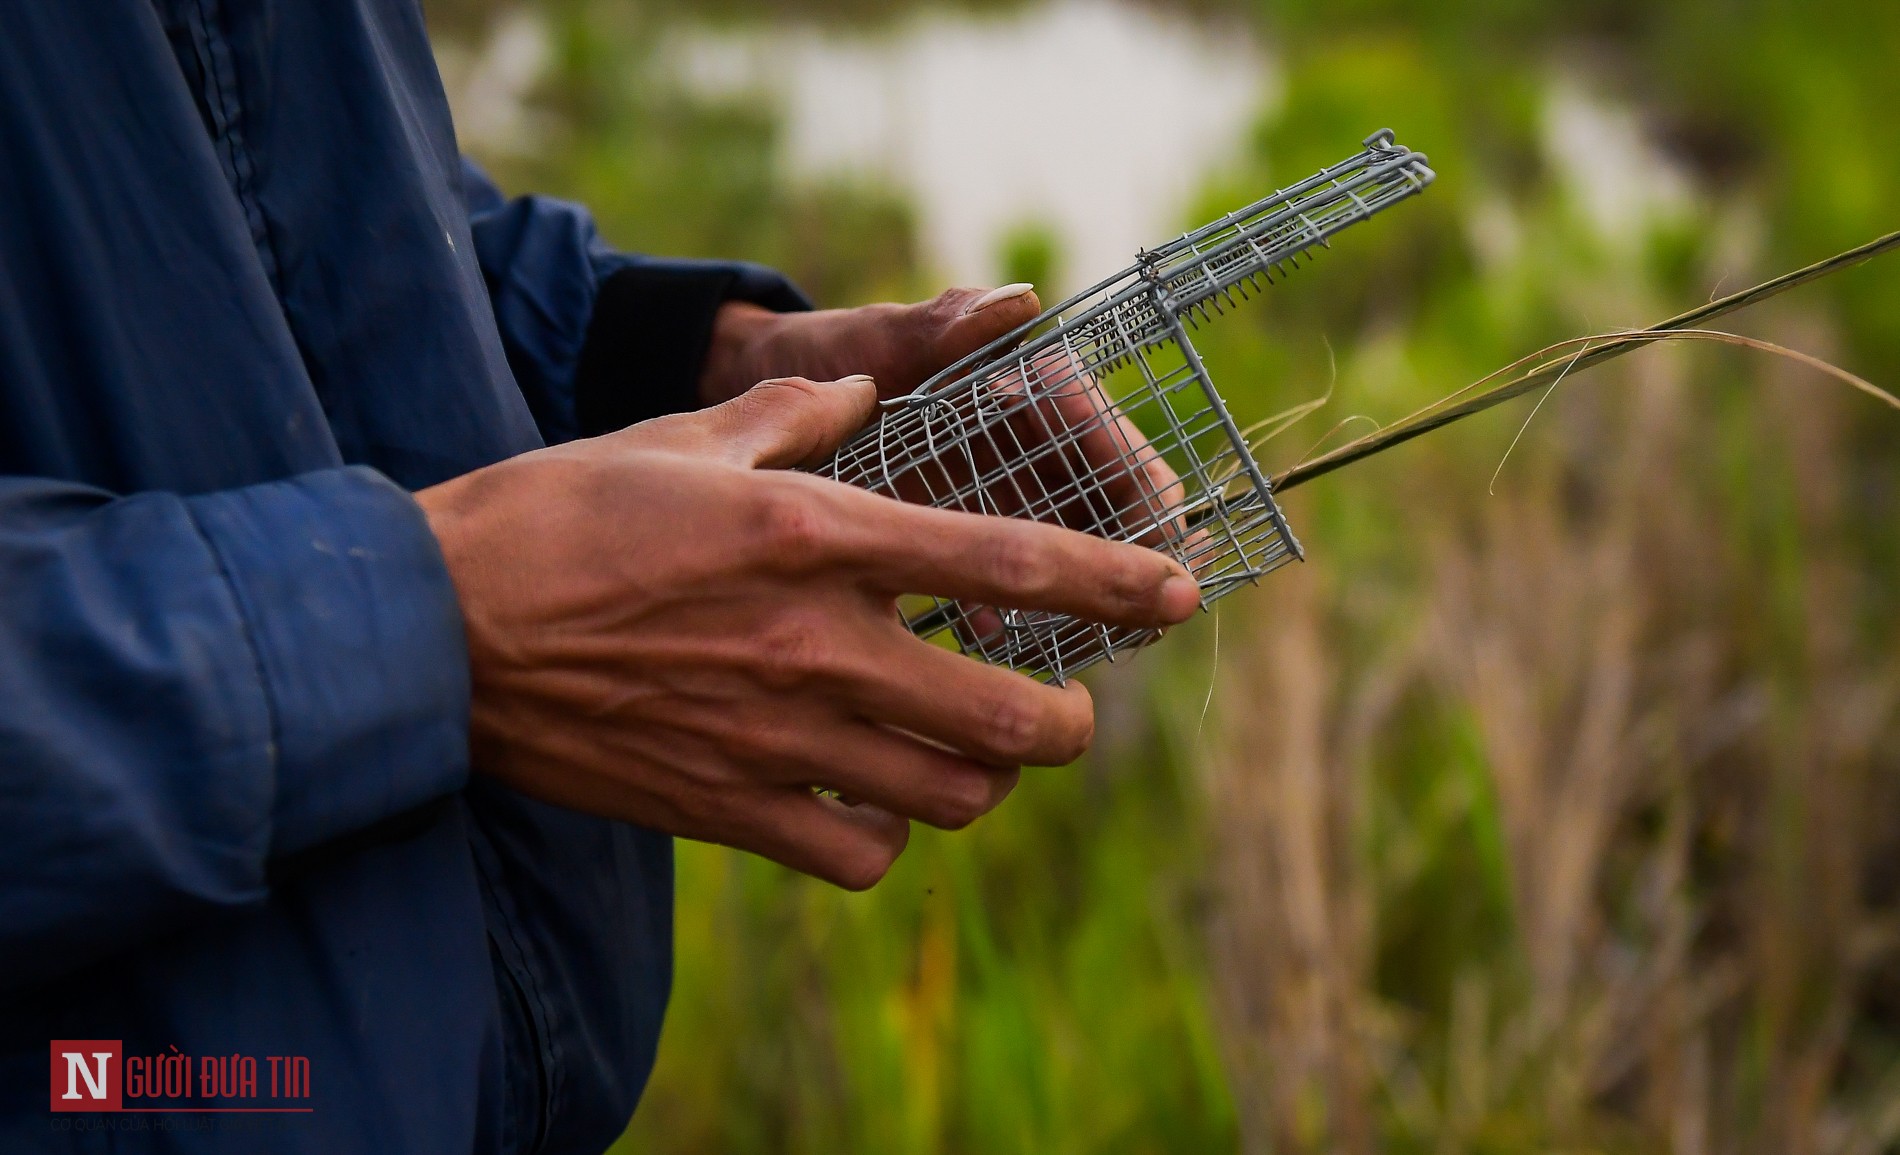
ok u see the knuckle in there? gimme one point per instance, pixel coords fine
(1075, 744)
(701, 810)
(1131, 583)
(774, 394)
(955, 818)
(971, 795)
(724, 812)
(961, 805)
(772, 412)
(795, 649)
(793, 529)
(1015, 727)
(1066, 734)
(948, 306)
(757, 750)
(1018, 561)
(862, 866)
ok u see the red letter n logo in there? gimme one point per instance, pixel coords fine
(86, 1074)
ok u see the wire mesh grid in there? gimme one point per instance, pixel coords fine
(1099, 415)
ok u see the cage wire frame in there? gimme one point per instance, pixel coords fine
(1048, 421)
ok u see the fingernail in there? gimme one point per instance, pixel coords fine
(1180, 597)
(856, 377)
(1006, 293)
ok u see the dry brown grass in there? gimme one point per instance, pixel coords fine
(1689, 756)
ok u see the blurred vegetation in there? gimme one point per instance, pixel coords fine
(1560, 819)
(1031, 254)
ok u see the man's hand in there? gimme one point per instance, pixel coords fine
(1125, 481)
(899, 345)
(667, 627)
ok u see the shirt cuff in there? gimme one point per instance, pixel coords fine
(651, 326)
(357, 634)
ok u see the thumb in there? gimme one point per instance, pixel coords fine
(791, 421)
(965, 320)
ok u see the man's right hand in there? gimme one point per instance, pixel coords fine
(666, 626)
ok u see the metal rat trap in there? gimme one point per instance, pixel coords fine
(1048, 422)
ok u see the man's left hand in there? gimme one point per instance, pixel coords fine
(900, 346)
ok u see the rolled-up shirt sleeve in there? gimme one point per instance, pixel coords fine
(193, 687)
(599, 339)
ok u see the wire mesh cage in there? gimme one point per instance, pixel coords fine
(1100, 416)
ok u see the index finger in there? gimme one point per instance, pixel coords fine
(1143, 491)
(1096, 452)
(899, 548)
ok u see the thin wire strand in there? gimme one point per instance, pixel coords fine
(1337, 426)
(1492, 489)
(1286, 418)
(1213, 678)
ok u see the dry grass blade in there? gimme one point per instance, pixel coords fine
(1449, 409)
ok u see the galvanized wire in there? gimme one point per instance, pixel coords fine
(1065, 419)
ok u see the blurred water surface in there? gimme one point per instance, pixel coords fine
(1094, 121)
(1098, 121)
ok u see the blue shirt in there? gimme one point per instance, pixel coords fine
(250, 297)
